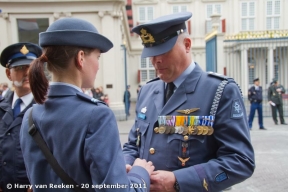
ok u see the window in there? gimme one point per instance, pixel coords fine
(179, 8)
(251, 73)
(147, 71)
(210, 9)
(273, 14)
(29, 29)
(247, 15)
(145, 14)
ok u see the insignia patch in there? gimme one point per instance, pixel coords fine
(236, 110)
(221, 177)
(141, 116)
(143, 110)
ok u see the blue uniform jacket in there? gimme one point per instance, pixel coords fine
(217, 161)
(255, 95)
(82, 134)
(12, 168)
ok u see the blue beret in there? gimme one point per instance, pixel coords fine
(19, 54)
(74, 32)
(160, 35)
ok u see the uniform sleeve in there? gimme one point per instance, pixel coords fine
(269, 93)
(250, 93)
(104, 158)
(130, 150)
(234, 160)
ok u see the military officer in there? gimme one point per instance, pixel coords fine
(16, 58)
(191, 124)
(275, 92)
(255, 97)
(80, 131)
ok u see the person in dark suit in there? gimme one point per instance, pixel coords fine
(255, 97)
(16, 58)
(191, 124)
(275, 92)
(85, 142)
(127, 100)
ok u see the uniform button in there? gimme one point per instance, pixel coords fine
(4, 163)
(8, 133)
(152, 151)
(186, 138)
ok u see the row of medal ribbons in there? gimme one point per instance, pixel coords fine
(185, 125)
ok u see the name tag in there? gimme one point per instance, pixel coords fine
(141, 116)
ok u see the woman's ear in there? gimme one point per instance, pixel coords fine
(80, 59)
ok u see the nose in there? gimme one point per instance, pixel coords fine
(156, 59)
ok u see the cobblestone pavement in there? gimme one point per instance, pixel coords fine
(271, 155)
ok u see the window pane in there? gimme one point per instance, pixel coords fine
(142, 14)
(150, 63)
(29, 29)
(175, 9)
(218, 8)
(251, 24)
(244, 24)
(151, 74)
(276, 72)
(149, 13)
(269, 7)
(208, 26)
(143, 63)
(209, 10)
(251, 9)
(244, 9)
(251, 74)
(268, 24)
(276, 22)
(183, 8)
(144, 75)
(277, 8)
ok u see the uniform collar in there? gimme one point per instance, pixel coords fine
(62, 89)
(26, 100)
(183, 76)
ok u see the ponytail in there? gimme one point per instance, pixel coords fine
(37, 79)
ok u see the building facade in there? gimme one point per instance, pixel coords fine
(243, 39)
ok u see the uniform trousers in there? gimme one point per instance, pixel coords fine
(256, 106)
(278, 107)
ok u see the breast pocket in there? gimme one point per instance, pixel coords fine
(141, 129)
(175, 150)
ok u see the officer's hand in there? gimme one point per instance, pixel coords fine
(162, 181)
(146, 165)
(128, 168)
(29, 190)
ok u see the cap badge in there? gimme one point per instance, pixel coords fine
(146, 37)
(24, 50)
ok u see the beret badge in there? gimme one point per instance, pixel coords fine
(146, 37)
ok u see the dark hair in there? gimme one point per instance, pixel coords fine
(58, 59)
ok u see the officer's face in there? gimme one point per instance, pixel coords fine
(91, 68)
(19, 76)
(170, 65)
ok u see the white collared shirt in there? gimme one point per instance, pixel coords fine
(26, 100)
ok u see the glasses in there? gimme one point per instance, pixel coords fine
(20, 68)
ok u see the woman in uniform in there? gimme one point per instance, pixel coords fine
(80, 131)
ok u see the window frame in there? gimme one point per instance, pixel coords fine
(148, 68)
(146, 13)
(248, 17)
(273, 16)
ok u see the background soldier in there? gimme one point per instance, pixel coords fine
(255, 97)
(275, 92)
(16, 59)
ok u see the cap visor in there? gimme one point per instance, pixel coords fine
(21, 62)
(159, 49)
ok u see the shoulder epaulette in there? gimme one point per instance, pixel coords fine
(223, 77)
(156, 79)
(89, 99)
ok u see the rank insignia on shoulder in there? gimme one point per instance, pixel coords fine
(188, 111)
(217, 75)
(236, 110)
(88, 98)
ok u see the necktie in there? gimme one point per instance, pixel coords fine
(16, 109)
(169, 91)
